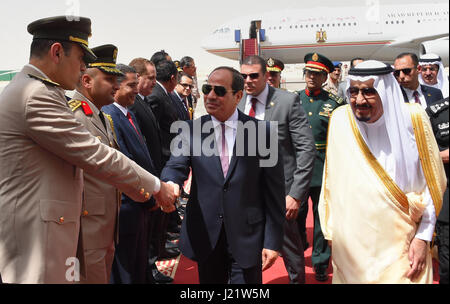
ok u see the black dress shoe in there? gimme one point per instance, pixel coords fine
(161, 278)
(321, 275)
(169, 254)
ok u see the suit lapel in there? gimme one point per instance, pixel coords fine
(215, 159)
(270, 104)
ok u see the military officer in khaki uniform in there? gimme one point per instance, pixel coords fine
(101, 201)
(42, 151)
(318, 105)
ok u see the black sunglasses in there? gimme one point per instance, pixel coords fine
(252, 76)
(185, 85)
(406, 71)
(218, 90)
(366, 92)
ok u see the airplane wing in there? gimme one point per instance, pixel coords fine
(411, 42)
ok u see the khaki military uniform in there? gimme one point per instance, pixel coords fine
(101, 201)
(42, 151)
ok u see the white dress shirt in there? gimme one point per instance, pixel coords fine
(260, 105)
(411, 98)
(230, 133)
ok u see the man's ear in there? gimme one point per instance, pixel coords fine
(56, 52)
(419, 68)
(86, 80)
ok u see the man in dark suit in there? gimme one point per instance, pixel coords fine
(165, 114)
(180, 94)
(235, 213)
(407, 70)
(130, 261)
(297, 148)
(150, 130)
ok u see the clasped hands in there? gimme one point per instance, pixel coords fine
(166, 197)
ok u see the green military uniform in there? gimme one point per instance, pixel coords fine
(318, 106)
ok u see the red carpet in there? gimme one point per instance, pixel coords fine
(184, 271)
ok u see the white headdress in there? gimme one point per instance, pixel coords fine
(391, 138)
(442, 79)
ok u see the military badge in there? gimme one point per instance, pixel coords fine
(315, 57)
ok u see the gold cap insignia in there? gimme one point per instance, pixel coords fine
(115, 55)
(270, 62)
(315, 57)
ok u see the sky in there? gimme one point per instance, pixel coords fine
(139, 28)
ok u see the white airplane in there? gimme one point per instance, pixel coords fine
(370, 31)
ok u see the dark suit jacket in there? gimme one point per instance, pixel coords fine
(134, 147)
(166, 114)
(183, 113)
(150, 129)
(431, 94)
(296, 139)
(249, 202)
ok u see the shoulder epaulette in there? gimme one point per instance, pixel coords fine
(339, 100)
(439, 107)
(44, 80)
(74, 104)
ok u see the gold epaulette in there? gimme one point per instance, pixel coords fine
(111, 124)
(339, 100)
(74, 104)
(44, 80)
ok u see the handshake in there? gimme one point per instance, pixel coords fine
(167, 195)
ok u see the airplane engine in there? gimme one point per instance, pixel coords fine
(438, 46)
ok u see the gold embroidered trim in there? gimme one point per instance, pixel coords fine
(424, 156)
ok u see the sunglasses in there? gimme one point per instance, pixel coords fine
(185, 85)
(252, 76)
(406, 71)
(366, 92)
(218, 90)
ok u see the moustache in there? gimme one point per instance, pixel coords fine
(363, 106)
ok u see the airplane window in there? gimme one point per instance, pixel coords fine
(418, 21)
(333, 24)
(317, 25)
(295, 26)
(349, 24)
(301, 26)
(328, 24)
(339, 24)
(306, 26)
(343, 24)
(354, 23)
(279, 27)
(323, 25)
(290, 26)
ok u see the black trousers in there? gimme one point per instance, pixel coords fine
(221, 268)
(321, 252)
(293, 253)
(442, 242)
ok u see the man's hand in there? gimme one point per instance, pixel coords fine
(417, 257)
(292, 206)
(444, 156)
(268, 258)
(167, 195)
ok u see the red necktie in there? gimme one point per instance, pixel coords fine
(132, 123)
(416, 97)
(252, 112)
(224, 154)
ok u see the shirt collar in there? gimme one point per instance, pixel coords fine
(410, 92)
(121, 108)
(230, 122)
(162, 86)
(262, 97)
